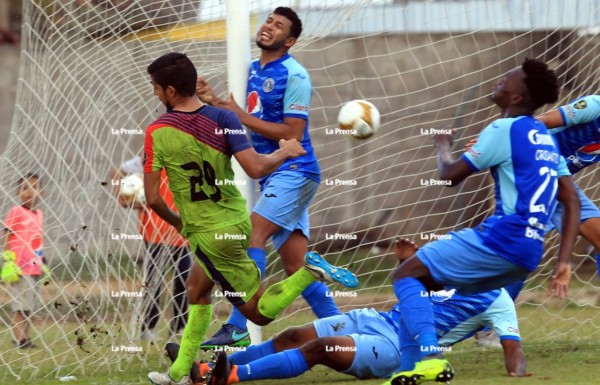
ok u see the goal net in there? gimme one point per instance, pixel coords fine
(84, 98)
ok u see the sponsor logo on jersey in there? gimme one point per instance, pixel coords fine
(253, 104)
(589, 154)
(536, 138)
(580, 105)
(268, 85)
(299, 76)
(298, 107)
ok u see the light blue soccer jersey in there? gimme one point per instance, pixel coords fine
(525, 164)
(281, 89)
(459, 317)
(579, 138)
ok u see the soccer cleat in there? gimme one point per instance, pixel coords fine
(328, 272)
(199, 370)
(164, 379)
(223, 372)
(437, 369)
(228, 335)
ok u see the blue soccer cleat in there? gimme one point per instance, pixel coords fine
(228, 335)
(328, 272)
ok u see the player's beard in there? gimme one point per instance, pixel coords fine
(275, 46)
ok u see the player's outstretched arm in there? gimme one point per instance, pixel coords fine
(454, 170)
(551, 119)
(567, 195)
(258, 165)
(514, 358)
(156, 202)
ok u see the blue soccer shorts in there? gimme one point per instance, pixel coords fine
(588, 210)
(464, 263)
(377, 344)
(284, 200)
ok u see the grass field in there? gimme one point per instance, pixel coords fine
(570, 354)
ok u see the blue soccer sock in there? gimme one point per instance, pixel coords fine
(417, 314)
(319, 298)
(259, 256)
(598, 263)
(409, 349)
(286, 364)
(253, 353)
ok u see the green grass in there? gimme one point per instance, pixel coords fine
(557, 351)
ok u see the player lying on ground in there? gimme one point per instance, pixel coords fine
(363, 343)
(194, 143)
(528, 172)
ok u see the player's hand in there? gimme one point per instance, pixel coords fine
(204, 91)
(560, 280)
(229, 104)
(292, 148)
(444, 139)
(471, 143)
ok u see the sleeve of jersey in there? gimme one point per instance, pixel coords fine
(152, 157)
(580, 111)
(563, 169)
(237, 140)
(502, 317)
(11, 219)
(296, 101)
(491, 149)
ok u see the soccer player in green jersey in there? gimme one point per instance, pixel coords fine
(194, 143)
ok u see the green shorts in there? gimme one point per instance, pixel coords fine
(222, 255)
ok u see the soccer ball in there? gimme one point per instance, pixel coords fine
(132, 188)
(359, 118)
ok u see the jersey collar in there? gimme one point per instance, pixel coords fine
(274, 62)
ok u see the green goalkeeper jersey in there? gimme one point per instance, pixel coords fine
(195, 148)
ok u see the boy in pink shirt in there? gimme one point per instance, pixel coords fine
(23, 234)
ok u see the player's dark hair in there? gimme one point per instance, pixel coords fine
(177, 70)
(291, 15)
(541, 82)
(28, 176)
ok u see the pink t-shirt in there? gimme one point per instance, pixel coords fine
(26, 238)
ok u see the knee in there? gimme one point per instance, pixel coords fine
(316, 350)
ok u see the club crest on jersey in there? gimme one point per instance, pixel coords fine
(253, 104)
(268, 85)
(580, 105)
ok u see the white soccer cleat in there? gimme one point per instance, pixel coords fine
(164, 379)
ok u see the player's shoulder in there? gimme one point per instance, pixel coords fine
(295, 69)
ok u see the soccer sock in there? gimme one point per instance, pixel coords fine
(514, 289)
(598, 263)
(409, 348)
(259, 256)
(286, 364)
(253, 353)
(417, 314)
(198, 321)
(278, 296)
(320, 300)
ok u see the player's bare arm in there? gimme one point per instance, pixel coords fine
(551, 119)
(156, 202)
(454, 170)
(567, 195)
(291, 128)
(514, 359)
(258, 165)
